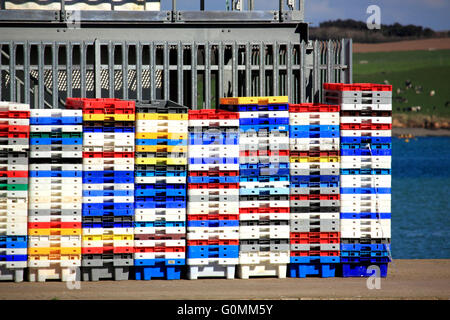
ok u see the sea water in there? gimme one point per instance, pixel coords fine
(421, 198)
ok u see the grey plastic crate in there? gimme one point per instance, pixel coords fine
(263, 247)
(262, 223)
(304, 225)
(48, 212)
(199, 198)
(22, 160)
(14, 141)
(65, 147)
(273, 159)
(364, 100)
(315, 203)
(102, 262)
(318, 246)
(107, 271)
(357, 94)
(17, 180)
(15, 275)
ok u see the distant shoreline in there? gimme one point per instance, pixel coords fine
(421, 132)
(407, 45)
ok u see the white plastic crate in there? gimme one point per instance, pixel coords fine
(373, 120)
(366, 133)
(366, 107)
(281, 257)
(159, 243)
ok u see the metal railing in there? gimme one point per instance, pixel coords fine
(195, 74)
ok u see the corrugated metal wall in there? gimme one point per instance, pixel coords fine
(192, 73)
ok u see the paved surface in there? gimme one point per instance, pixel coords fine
(420, 132)
(407, 279)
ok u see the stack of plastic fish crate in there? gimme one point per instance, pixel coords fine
(366, 123)
(14, 147)
(55, 194)
(314, 172)
(213, 190)
(108, 187)
(264, 185)
(161, 170)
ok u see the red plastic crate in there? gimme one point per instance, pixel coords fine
(366, 126)
(206, 217)
(264, 210)
(108, 154)
(14, 174)
(212, 114)
(357, 87)
(306, 197)
(54, 224)
(213, 186)
(106, 249)
(261, 153)
(104, 103)
(314, 237)
(313, 107)
(15, 114)
(213, 173)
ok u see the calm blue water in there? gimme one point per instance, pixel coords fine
(421, 198)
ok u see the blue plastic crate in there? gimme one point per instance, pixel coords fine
(366, 140)
(108, 193)
(263, 121)
(55, 174)
(361, 270)
(365, 190)
(163, 271)
(315, 185)
(313, 135)
(11, 258)
(365, 247)
(264, 172)
(281, 165)
(160, 193)
(263, 178)
(366, 152)
(160, 186)
(159, 262)
(363, 146)
(365, 260)
(108, 180)
(213, 223)
(264, 191)
(159, 224)
(103, 213)
(270, 128)
(364, 254)
(365, 215)
(233, 179)
(315, 260)
(323, 270)
(199, 252)
(56, 120)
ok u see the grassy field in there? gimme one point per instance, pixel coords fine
(429, 69)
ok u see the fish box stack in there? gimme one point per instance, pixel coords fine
(213, 190)
(366, 124)
(14, 149)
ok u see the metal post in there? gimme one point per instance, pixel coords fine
(26, 71)
(69, 68)
(54, 75)
(12, 71)
(111, 70)
(251, 5)
(97, 71)
(174, 5)
(202, 5)
(138, 71)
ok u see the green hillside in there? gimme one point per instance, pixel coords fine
(428, 69)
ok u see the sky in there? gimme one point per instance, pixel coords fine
(434, 14)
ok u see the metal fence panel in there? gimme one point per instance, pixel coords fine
(35, 72)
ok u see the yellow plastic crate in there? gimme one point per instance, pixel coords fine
(161, 148)
(161, 116)
(109, 237)
(54, 232)
(52, 257)
(109, 117)
(161, 135)
(254, 100)
(54, 250)
(162, 161)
